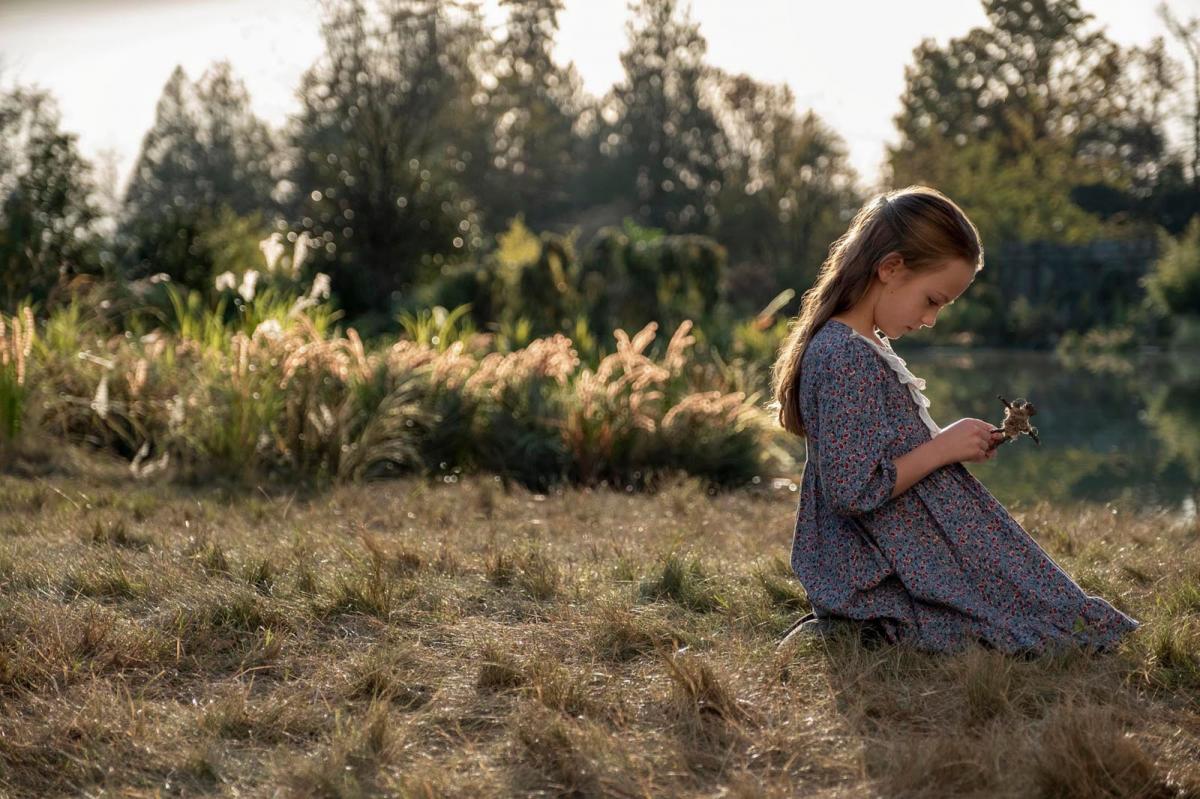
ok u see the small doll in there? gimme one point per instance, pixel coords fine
(1016, 421)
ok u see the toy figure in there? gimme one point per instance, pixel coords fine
(1016, 421)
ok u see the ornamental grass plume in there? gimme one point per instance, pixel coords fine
(719, 407)
(272, 249)
(346, 410)
(551, 358)
(451, 368)
(632, 414)
(16, 343)
(282, 392)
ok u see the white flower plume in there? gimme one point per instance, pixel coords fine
(272, 249)
(249, 281)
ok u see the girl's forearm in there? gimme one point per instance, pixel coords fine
(915, 464)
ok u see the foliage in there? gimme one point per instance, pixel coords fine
(1025, 197)
(1040, 71)
(203, 180)
(634, 273)
(536, 157)
(1174, 284)
(388, 133)
(47, 213)
(211, 395)
(665, 140)
(434, 163)
(1173, 287)
(788, 189)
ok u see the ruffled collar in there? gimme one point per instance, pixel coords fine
(914, 384)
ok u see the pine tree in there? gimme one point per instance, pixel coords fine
(385, 144)
(47, 204)
(534, 153)
(206, 155)
(668, 138)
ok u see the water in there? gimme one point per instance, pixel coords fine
(1120, 430)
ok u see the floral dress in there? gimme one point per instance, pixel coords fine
(943, 563)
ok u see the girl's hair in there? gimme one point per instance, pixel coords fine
(922, 224)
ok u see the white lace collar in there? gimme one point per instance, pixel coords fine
(915, 384)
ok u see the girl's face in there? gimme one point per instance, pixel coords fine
(910, 301)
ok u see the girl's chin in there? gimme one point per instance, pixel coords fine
(900, 331)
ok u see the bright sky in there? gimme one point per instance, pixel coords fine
(106, 60)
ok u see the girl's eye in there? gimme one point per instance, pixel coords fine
(931, 302)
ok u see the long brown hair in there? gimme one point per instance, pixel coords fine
(925, 226)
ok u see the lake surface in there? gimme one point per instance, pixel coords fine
(1121, 430)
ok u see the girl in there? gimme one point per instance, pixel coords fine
(892, 532)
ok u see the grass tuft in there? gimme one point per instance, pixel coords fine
(684, 582)
(498, 671)
(620, 635)
(389, 675)
(1084, 751)
(116, 534)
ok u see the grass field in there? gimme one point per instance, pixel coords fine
(416, 638)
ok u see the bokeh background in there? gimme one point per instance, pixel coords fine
(350, 201)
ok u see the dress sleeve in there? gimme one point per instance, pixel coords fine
(854, 431)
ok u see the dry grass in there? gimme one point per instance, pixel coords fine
(414, 638)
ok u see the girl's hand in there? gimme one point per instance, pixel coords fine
(967, 440)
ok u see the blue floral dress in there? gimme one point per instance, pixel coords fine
(943, 563)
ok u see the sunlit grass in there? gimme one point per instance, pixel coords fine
(17, 335)
(422, 638)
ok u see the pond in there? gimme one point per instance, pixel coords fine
(1123, 430)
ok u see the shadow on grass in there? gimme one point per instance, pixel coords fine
(983, 723)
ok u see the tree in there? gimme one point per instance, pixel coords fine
(788, 189)
(239, 148)
(534, 153)
(1047, 133)
(667, 139)
(1040, 72)
(47, 203)
(206, 151)
(1188, 34)
(1038, 64)
(388, 138)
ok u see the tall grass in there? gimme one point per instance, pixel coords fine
(16, 344)
(293, 396)
(268, 386)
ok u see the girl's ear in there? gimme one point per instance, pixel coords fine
(890, 266)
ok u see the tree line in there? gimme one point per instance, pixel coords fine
(421, 137)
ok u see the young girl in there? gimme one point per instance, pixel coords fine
(892, 531)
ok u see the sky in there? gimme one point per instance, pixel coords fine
(106, 61)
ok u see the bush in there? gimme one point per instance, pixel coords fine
(1174, 284)
(207, 395)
